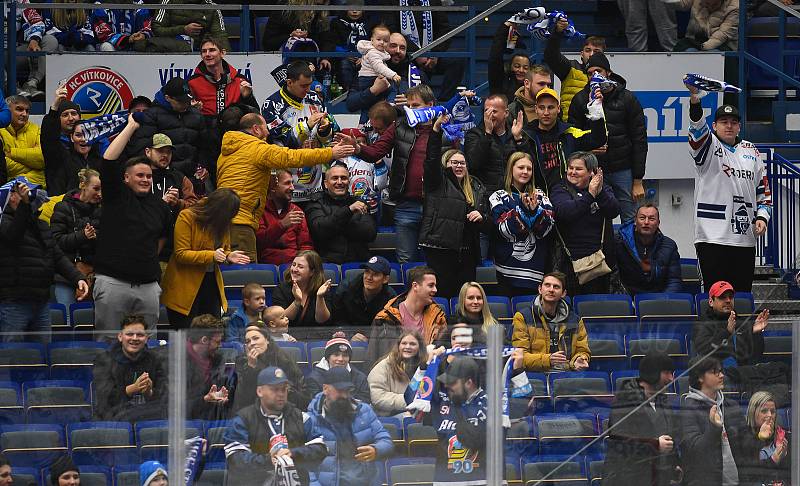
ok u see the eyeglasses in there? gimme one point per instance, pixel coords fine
(458, 163)
(716, 371)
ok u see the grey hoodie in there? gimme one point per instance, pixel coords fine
(730, 474)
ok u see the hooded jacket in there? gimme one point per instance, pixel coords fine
(245, 166)
(373, 61)
(339, 468)
(665, 262)
(625, 123)
(632, 455)
(276, 244)
(701, 442)
(114, 370)
(186, 130)
(444, 222)
(69, 218)
(351, 309)
(30, 257)
(388, 324)
(708, 334)
(317, 377)
(532, 334)
(339, 234)
(24, 156)
(521, 102)
(247, 440)
(713, 28)
(61, 162)
(218, 95)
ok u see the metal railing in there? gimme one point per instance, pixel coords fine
(780, 249)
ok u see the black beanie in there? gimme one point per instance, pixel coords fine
(62, 465)
(600, 60)
(651, 366)
(68, 105)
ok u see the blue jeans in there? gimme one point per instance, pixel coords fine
(19, 317)
(622, 184)
(407, 218)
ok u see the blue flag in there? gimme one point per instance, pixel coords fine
(541, 30)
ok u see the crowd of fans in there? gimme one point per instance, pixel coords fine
(203, 177)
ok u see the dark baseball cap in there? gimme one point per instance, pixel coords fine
(461, 368)
(378, 264)
(272, 375)
(178, 88)
(727, 110)
(339, 378)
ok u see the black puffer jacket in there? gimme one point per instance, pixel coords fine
(61, 162)
(444, 211)
(113, 371)
(187, 130)
(487, 156)
(625, 122)
(30, 257)
(69, 218)
(339, 234)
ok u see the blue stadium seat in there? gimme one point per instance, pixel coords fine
(11, 409)
(443, 303)
(57, 401)
(332, 272)
(422, 440)
(521, 442)
(152, 438)
(214, 431)
(28, 475)
(521, 301)
(102, 443)
(606, 313)
(573, 473)
(674, 345)
(574, 383)
(500, 306)
(32, 445)
(297, 351)
(608, 352)
(235, 277)
(61, 330)
(690, 275)
(353, 269)
(565, 433)
(73, 360)
(664, 304)
(260, 23)
(230, 350)
(410, 470)
(405, 267)
(22, 362)
(126, 475)
(81, 314)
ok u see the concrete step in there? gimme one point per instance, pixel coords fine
(770, 290)
(784, 307)
(764, 271)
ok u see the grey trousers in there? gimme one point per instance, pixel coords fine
(663, 15)
(35, 66)
(114, 299)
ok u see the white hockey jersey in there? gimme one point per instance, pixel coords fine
(366, 180)
(732, 190)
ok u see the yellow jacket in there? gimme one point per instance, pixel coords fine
(48, 207)
(572, 85)
(532, 334)
(25, 156)
(245, 166)
(192, 254)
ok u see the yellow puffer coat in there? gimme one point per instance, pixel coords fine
(25, 154)
(245, 165)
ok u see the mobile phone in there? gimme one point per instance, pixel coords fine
(62, 83)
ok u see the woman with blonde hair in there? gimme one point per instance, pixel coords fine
(454, 214)
(524, 218)
(391, 375)
(305, 294)
(309, 26)
(71, 28)
(74, 224)
(473, 309)
(765, 447)
(192, 282)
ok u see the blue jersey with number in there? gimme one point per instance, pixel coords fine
(460, 460)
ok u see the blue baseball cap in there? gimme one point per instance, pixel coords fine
(339, 378)
(378, 264)
(272, 375)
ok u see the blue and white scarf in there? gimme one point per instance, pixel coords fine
(195, 452)
(423, 382)
(104, 126)
(414, 75)
(541, 29)
(599, 81)
(38, 196)
(706, 84)
(461, 116)
(408, 24)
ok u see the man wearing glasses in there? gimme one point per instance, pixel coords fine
(130, 380)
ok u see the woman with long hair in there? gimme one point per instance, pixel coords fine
(454, 213)
(71, 27)
(766, 445)
(192, 282)
(261, 351)
(302, 26)
(304, 294)
(74, 224)
(524, 218)
(391, 375)
(473, 309)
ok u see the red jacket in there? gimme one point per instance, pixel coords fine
(216, 96)
(275, 244)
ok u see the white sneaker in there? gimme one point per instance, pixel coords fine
(30, 89)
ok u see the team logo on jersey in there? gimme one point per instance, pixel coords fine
(740, 219)
(305, 175)
(359, 187)
(460, 460)
(425, 387)
(98, 91)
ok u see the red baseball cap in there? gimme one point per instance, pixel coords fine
(719, 288)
